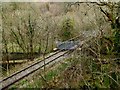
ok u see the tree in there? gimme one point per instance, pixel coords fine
(67, 29)
(113, 15)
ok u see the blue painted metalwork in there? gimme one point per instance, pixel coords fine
(67, 45)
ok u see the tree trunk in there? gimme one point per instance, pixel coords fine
(6, 50)
(46, 47)
(31, 49)
(39, 49)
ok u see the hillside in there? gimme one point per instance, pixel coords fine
(33, 30)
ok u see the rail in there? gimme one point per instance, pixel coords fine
(30, 69)
(8, 81)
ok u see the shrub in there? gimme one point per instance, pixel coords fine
(67, 29)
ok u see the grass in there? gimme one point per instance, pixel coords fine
(81, 71)
(78, 71)
(38, 82)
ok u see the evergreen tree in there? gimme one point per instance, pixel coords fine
(67, 29)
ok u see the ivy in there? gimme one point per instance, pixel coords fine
(67, 29)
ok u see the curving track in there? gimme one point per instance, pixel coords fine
(6, 82)
(30, 69)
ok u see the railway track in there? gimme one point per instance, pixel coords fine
(7, 82)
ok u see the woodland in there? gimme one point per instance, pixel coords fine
(31, 30)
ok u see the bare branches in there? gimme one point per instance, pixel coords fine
(111, 9)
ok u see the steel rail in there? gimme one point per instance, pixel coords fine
(14, 80)
(28, 67)
(25, 72)
(37, 62)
